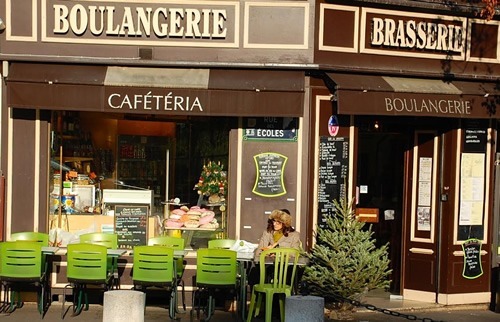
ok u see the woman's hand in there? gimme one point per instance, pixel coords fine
(270, 246)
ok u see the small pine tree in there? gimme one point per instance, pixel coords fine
(345, 263)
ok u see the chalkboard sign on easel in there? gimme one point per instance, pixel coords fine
(472, 258)
(131, 225)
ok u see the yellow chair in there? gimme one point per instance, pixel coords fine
(110, 241)
(176, 243)
(284, 261)
(42, 238)
(221, 243)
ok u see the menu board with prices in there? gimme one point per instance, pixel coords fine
(131, 225)
(333, 173)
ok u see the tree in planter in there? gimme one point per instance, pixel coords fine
(345, 263)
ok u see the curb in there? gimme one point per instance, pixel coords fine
(435, 307)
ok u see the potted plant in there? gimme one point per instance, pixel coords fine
(345, 262)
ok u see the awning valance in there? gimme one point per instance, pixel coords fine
(162, 91)
(404, 96)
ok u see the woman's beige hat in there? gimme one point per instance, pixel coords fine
(282, 217)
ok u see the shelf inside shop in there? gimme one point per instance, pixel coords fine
(75, 159)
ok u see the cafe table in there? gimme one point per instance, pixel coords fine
(49, 250)
(178, 253)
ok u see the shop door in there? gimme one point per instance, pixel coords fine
(424, 162)
(380, 173)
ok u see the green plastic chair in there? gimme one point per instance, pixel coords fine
(105, 239)
(285, 264)
(87, 264)
(176, 243)
(21, 264)
(42, 238)
(110, 240)
(154, 267)
(221, 243)
(215, 269)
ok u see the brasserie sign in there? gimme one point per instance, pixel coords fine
(411, 34)
(415, 33)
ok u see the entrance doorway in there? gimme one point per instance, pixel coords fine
(380, 184)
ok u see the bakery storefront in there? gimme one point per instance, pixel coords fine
(420, 115)
(99, 124)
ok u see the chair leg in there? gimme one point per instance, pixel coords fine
(77, 299)
(210, 307)
(64, 300)
(258, 304)
(282, 308)
(183, 295)
(172, 308)
(41, 301)
(251, 308)
(269, 307)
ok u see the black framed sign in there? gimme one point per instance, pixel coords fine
(269, 180)
(472, 258)
(131, 225)
(332, 176)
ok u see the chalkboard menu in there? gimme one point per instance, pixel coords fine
(131, 223)
(333, 171)
(269, 179)
(472, 258)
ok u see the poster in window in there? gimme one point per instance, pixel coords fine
(424, 218)
(472, 172)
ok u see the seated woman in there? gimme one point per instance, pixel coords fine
(279, 233)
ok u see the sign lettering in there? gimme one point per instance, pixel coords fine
(139, 21)
(149, 102)
(421, 35)
(433, 106)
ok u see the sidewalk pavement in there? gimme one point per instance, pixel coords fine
(415, 310)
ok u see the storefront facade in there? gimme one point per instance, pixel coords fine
(393, 106)
(147, 69)
(411, 94)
